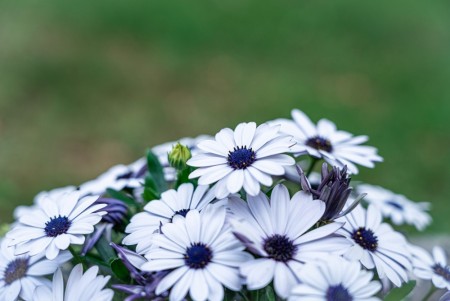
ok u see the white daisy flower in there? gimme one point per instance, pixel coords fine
(376, 244)
(335, 279)
(323, 140)
(161, 151)
(159, 212)
(87, 286)
(117, 177)
(433, 267)
(203, 254)
(56, 224)
(277, 232)
(19, 275)
(242, 158)
(397, 207)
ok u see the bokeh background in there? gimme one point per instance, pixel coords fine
(87, 84)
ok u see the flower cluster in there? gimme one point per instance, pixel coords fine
(227, 217)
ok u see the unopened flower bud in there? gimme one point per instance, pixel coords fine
(178, 156)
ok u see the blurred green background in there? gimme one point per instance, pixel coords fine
(86, 84)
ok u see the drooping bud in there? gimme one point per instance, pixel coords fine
(334, 189)
(178, 156)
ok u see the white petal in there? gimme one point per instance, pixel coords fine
(199, 291)
(180, 289)
(305, 124)
(235, 181)
(258, 272)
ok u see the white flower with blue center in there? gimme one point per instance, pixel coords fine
(242, 158)
(323, 140)
(87, 286)
(173, 204)
(19, 275)
(55, 224)
(376, 244)
(117, 177)
(202, 253)
(432, 267)
(397, 207)
(335, 279)
(278, 232)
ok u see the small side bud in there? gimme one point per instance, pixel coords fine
(178, 156)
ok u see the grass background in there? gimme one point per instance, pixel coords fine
(85, 85)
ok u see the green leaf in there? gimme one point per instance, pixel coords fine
(119, 269)
(104, 249)
(121, 196)
(270, 294)
(400, 293)
(183, 177)
(156, 172)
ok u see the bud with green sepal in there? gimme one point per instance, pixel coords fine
(178, 156)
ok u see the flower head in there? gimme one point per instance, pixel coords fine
(87, 286)
(335, 279)
(277, 232)
(323, 140)
(375, 244)
(334, 189)
(433, 267)
(173, 204)
(117, 177)
(19, 275)
(397, 207)
(242, 158)
(55, 224)
(202, 253)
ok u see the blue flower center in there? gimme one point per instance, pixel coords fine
(366, 239)
(319, 143)
(280, 248)
(182, 212)
(241, 157)
(395, 205)
(57, 226)
(444, 272)
(15, 270)
(338, 293)
(197, 256)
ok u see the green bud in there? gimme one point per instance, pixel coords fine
(178, 156)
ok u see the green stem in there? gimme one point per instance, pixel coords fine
(311, 167)
(430, 293)
(77, 257)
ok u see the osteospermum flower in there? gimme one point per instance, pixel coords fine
(376, 244)
(202, 253)
(242, 158)
(117, 177)
(56, 224)
(173, 203)
(434, 268)
(397, 207)
(87, 286)
(19, 275)
(277, 232)
(161, 151)
(323, 140)
(335, 279)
